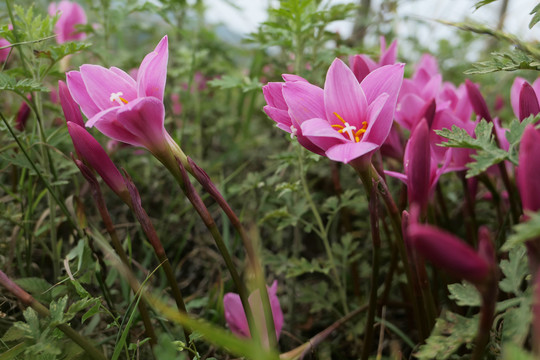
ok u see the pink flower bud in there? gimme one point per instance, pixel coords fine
(71, 14)
(528, 181)
(236, 317)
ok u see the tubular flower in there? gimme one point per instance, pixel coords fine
(122, 108)
(347, 120)
(236, 317)
(71, 14)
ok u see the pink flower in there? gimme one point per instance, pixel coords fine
(71, 14)
(347, 120)
(122, 108)
(4, 53)
(525, 98)
(450, 253)
(236, 317)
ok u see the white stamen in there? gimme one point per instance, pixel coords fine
(116, 97)
(294, 131)
(349, 130)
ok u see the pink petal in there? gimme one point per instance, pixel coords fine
(124, 75)
(361, 66)
(78, 91)
(305, 101)
(350, 151)
(477, 100)
(396, 175)
(277, 313)
(409, 111)
(69, 106)
(388, 56)
(101, 83)
(321, 133)
(528, 181)
(235, 315)
(418, 166)
(107, 123)
(152, 73)
(386, 79)
(343, 96)
(292, 77)
(528, 102)
(273, 95)
(375, 133)
(144, 118)
(514, 94)
(281, 117)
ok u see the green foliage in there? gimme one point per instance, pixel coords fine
(514, 269)
(523, 232)
(481, 3)
(506, 61)
(450, 333)
(464, 294)
(21, 87)
(535, 12)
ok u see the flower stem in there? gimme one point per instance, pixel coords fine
(29, 301)
(322, 231)
(376, 241)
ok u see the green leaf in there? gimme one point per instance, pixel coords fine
(481, 3)
(37, 287)
(448, 335)
(80, 305)
(57, 52)
(536, 16)
(23, 86)
(514, 269)
(465, 294)
(13, 334)
(523, 232)
(303, 266)
(56, 309)
(514, 352)
(93, 311)
(516, 324)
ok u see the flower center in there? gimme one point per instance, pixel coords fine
(117, 97)
(348, 129)
(294, 131)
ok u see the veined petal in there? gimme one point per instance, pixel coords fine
(388, 56)
(273, 95)
(343, 96)
(386, 79)
(78, 91)
(321, 133)
(152, 73)
(304, 100)
(107, 123)
(279, 116)
(101, 83)
(144, 118)
(376, 132)
(350, 151)
(124, 75)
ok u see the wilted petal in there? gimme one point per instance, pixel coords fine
(152, 73)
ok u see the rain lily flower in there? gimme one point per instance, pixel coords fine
(121, 107)
(71, 14)
(347, 120)
(525, 98)
(236, 317)
(450, 253)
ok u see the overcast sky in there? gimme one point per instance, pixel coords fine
(254, 12)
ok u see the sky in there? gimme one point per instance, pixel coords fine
(254, 12)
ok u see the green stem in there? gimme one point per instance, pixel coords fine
(322, 231)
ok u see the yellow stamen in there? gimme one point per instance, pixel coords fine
(339, 117)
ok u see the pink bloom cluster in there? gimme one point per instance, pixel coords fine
(71, 14)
